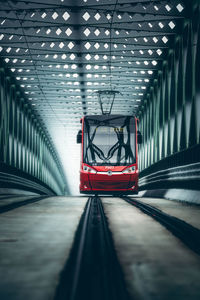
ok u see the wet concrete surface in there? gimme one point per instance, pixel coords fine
(10, 199)
(156, 264)
(35, 241)
(183, 195)
(188, 212)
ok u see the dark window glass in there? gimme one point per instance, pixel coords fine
(109, 140)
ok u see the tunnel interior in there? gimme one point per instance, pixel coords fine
(60, 61)
(58, 57)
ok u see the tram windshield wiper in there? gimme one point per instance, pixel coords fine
(109, 141)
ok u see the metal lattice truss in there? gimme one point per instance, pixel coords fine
(62, 52)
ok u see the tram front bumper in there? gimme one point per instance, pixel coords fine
(108, 183)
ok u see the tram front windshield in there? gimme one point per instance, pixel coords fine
(109, 140)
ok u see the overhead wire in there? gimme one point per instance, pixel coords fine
(110, 93)
(110, 44)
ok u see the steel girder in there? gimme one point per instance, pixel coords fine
(24, 144)
(169, 117)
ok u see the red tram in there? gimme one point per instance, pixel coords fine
(109, 162)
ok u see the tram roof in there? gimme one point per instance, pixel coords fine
(106, 117)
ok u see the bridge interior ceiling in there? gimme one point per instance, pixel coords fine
(62, 52)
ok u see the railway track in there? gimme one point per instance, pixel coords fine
(187, 233)
(92, 271)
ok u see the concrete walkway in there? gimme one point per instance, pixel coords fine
(156, 264)
(35, 241)
(188, 212)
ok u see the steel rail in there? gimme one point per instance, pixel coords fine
(80, 250)
(92, 270)
(187, 233)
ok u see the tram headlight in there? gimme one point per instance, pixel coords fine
(129, 170)
(88, 169)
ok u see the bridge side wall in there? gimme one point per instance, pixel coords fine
(170, 116)
(27, 158)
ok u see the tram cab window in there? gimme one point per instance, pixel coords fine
(109, 140)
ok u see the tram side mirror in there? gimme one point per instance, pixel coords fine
(139, 137)
(79, 137)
